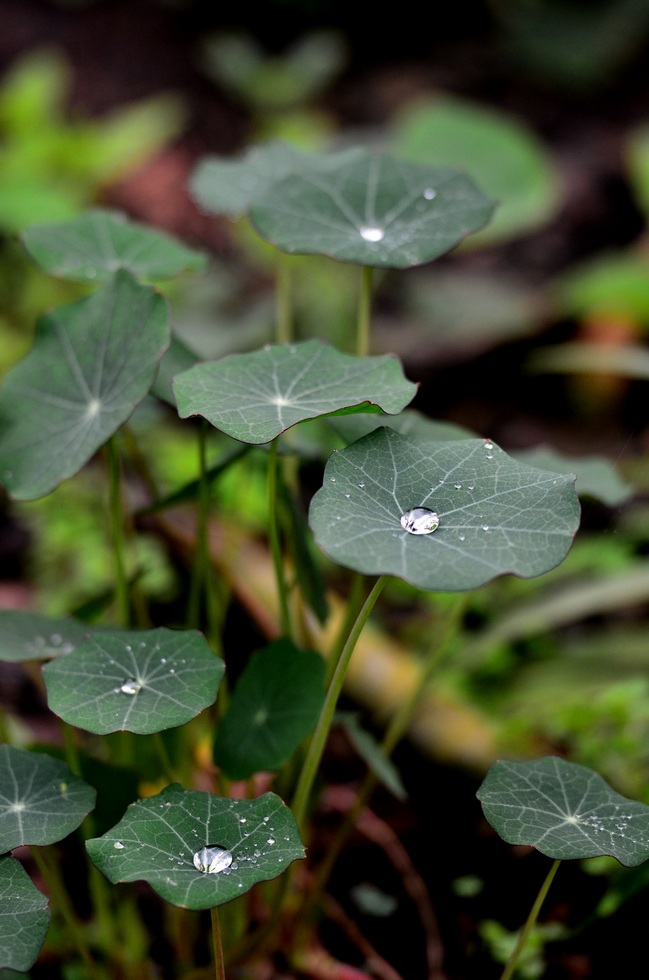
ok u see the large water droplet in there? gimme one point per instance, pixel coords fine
(420, 520)
(371, 234)
(130, 687)
(212, 858)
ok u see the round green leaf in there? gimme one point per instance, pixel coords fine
(254, 397)
(135, 681)
(41, 800)
(222, 185)
(371, 210)
(498, 151)
(494, 515)
(157, 839)
(275, 704)
(24, 917)
(564, 810)
(32, 636)
(92, 362)
(93, 246)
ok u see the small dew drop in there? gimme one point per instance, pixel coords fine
(361, 486)
(458, 486)
(489, 455)
(130, 687)
(420, 520)
(371, 233)
(461, 537)
(212, 859)
(271, 840)
(471, 486)
(429, 193)
(488, 445)
(485, 527)
(118, 845)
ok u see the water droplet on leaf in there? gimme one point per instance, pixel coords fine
(118, 845)
(371, 234)
(212, 858)
(420, 520)
(130, 687)
(429, 193)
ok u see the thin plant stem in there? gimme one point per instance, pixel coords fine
(200, 567)
(508, 972)
(274, 539)
(283, 299)
(364, 312)
(353, 607)
(219, 964)
(57, 890)
(319, 738)
(117, 529)
(395, 732)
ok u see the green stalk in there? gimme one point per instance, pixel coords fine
(508, 972)
(274, 539)
(117, 528)
(219, 964)
(353, 607)
(395, 732)
(284, 304)
(200, 567)
(319, 737)
(56, 888)
(364, 312)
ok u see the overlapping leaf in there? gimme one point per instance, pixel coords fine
(93, 246)
(254, 397)
(371, 209)
(222, 185)
(92, 362)
(41, 800)
(495, 515)
(564, 810)
(275, 704)
(157, 838)
(31, 636)
(136, 681)
(24, 917)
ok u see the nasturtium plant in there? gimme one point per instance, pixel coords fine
(26, 635)
(95, 245)
(92, 362)
(372, 210)
(132, 680)
(24, 917)
(492, 514)
(275, 705)
(41, 800)
(564, 810)
(160, 840)
(255, 397)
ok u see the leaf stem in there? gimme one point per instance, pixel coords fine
(284, 305)
(508, 972)
(274, 539)
(56, 888)
(117, 527)
(364, 312)
(319, 737)
(219, 964)
(200, 566)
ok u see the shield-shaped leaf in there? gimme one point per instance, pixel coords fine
(564, 810)
(41, 800)
(474, 512)
(24, 917)
(254, 397)
(135, 681)
(372, 210)
(92, 362)
(93, 246)
(167, 839)
(27, 635)
(275, 705)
